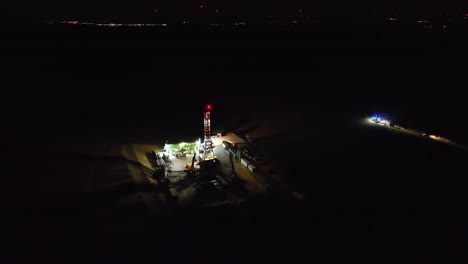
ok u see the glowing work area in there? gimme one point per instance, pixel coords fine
(380, 119)
(182, 148)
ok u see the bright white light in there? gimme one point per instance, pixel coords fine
(379, 121)
(216, 141)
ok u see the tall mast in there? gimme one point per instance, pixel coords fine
(207, 143)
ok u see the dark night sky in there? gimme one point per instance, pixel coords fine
(94, 72)
(134, 9)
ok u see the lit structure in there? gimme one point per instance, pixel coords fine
(207, 143)
(181, 148)
(442, 139)
(379, 119)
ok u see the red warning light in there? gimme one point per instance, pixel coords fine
(208, 107)
(201, 6)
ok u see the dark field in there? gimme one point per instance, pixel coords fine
(72, 101)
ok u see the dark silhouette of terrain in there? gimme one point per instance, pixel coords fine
(369, 192)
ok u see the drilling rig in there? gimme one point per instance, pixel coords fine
(208, 161)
